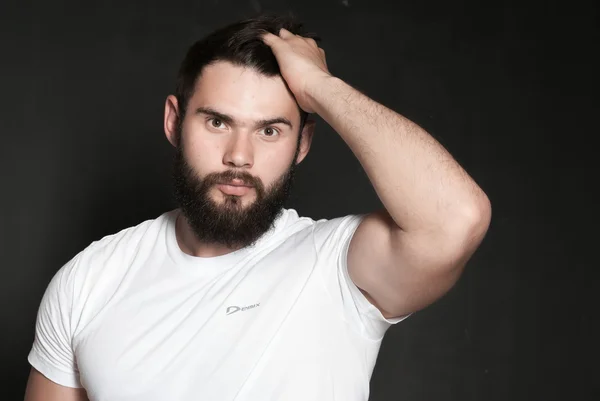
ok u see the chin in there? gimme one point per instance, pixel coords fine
(244, 201)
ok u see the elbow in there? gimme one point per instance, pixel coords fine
(475, 224)
(467, 230)
(481, 217)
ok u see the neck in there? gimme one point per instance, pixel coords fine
(189, 243)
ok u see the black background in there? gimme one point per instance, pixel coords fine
(509, 88)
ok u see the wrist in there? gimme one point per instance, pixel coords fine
(320, 89)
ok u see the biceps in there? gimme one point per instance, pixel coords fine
(40, 388)
(398, 277)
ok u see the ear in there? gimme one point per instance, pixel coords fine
(171, 119)
(306, 140)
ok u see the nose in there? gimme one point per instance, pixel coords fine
(239, 152)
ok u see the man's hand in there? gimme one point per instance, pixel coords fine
(301, 62)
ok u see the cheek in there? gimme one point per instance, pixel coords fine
(202, 152)
(274, 163)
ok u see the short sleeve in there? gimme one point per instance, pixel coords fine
(52, 352)
(332, 241)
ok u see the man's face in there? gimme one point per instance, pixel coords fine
(236, 154)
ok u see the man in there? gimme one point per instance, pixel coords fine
(233, 297)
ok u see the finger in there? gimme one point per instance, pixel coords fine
(284, 33)
(323, 56)
(269, 39)
(311, 42)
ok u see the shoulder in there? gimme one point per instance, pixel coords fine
(108, 257)
(336, 229)
(125, 243)
(325, 223)
(323, 231)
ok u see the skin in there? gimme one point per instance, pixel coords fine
(409, 254)
(403, 257)
(39, 388)
(224, 129)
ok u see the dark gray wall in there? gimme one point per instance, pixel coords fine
(508, 87)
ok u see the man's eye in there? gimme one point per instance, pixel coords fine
(216, 122)
(270, 131)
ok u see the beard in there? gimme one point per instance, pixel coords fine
(228, 222)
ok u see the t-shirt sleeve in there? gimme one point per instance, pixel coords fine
(332, 240)
(52, 352)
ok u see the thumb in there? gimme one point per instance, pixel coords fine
(284, 33)
(269, 39)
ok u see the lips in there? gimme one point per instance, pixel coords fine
(236, 183)
(235, 187)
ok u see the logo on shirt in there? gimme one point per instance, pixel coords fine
(232, 309)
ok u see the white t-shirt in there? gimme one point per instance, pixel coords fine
(133, 318)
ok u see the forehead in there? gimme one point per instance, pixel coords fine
(243, 93)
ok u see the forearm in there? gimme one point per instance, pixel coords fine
(420, 184)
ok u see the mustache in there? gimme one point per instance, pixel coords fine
(230, 175)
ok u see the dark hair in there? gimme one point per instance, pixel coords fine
(240, 44)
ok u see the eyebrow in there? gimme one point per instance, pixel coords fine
(230, 120)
